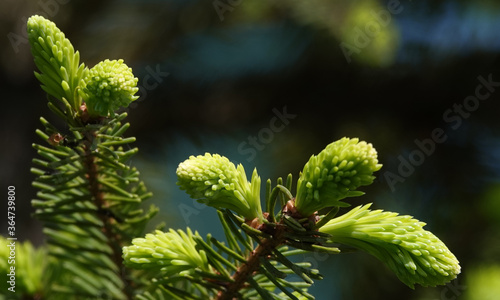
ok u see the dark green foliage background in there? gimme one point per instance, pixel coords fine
(226, 77)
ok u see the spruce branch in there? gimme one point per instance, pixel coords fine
(90, 201)
(89, 196)
(252, 264)
(327, 178)
(98, 193)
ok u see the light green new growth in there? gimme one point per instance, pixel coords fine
(89, 197)
(91, 224)
(416, 256)
(334, 174)
(29, 264)
(108, 86)
(172, 252)
(55, 57)
(215, 181)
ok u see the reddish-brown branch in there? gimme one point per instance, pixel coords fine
(252, 264)
(95, 188)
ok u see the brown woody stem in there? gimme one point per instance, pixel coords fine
(240, 277)
(95, 188)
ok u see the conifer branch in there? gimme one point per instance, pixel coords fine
(89, 197)
(90, 200)
(265, 248)
(108, 219)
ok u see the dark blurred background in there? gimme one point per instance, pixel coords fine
(269, 83)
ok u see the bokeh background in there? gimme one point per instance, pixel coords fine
(269, 83)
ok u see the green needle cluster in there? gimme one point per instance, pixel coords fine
(105, 88)
(89, 196)
(172, 252)
(108, 86)
(217, 182)
(28, 263)
(334, 174)
(55, 57)
(416, 256)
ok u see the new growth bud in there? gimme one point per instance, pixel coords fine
(108, 86)
(416, 255)
(55, 57)
(215, 181)
(172, 252)
(334, 174)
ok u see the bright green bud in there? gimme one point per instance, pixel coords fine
(108, 86)
(56, 59)
(215, 181)
(29, 263)
(172, 252)
(334, 174)
(416, 256)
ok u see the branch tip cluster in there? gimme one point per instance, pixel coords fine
(91, 203)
